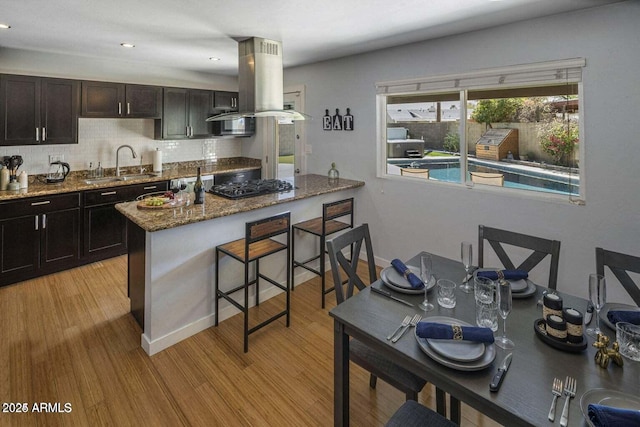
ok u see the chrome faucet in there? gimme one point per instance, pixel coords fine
(118, 156)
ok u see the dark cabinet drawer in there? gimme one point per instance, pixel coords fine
(38, 205)
(122, 194)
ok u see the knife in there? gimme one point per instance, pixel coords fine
(589, 313)
(388, 295)
(499, 376)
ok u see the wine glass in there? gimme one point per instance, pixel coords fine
(426, 272)
(505, 303)
(598, 297)
(466, 253)
(175, 188)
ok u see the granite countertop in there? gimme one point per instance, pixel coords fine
(215, 206)
(76, 180)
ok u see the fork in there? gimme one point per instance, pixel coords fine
(405, 322)
(413, 322)
(557, 392)
(569, 391)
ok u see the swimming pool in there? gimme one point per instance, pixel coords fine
(515, 176)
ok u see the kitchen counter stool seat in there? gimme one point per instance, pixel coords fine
(331, 221)
(258, 243)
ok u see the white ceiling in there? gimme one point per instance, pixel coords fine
(185, 33)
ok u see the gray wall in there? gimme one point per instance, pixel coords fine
(407, 217)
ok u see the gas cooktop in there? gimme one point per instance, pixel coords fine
(251, 188)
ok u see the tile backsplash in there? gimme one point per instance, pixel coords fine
(98, 140)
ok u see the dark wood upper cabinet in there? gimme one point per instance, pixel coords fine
(225, 101)
(119, 100)
(184, 114)
(38, 110)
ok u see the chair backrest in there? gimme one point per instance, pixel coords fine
(619, 264)
(488, 178)
(415, 172)
(266, 228)
(541, 249)
(333, 210)
(354, 239)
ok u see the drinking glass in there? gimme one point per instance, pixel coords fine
(598, 297)
(504, 308)
(175, 188)
(466, 253)
(426, 272)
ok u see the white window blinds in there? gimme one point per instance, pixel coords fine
(541, 73)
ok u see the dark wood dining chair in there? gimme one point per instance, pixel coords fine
(620, 264)
(359, 353)
(541, 249)
(413, 414)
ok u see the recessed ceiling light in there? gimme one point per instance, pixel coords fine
(214, 58)
(4, 26)
(127, 45)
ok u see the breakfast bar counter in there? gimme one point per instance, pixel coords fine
(305, 186)
(171, 264)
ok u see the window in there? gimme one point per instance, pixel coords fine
(514, 127)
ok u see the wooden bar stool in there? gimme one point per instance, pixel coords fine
(322, 227)
(257, 244)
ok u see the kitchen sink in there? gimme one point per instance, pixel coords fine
(120, 178)
(101, 180)
(136, 176)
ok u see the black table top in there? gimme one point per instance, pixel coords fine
(525, 395)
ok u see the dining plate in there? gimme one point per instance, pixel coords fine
(394, 280)
(613, 398)
(476, 365)
(461, 351)
(612, 307)
(517, 286)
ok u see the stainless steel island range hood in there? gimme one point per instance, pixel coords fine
(260, 82)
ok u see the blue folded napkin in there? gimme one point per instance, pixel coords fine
(616, 316)
(606, 416)
(507, 274)
(440, 331)
(414, 280)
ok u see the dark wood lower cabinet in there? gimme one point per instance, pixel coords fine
(135, 270)
(39, 236)
(105, 229)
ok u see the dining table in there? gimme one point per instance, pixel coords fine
(525, 395)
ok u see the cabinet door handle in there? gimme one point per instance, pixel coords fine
(44, 221)
(37, 134)
(36, 218)
(109, 193)
(44, 134)
(187, 131)
(152, 187)
(119, 108)
(128, 108)
(44, 202)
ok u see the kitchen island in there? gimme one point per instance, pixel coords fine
(171, 255)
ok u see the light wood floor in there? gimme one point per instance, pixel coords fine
(68, 338)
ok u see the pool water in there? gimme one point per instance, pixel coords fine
(537, 180)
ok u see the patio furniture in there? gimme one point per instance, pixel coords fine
(541, 249)
(620, 264)
(415, 172)
(488, 178)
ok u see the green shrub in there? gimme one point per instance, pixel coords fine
(452, 142)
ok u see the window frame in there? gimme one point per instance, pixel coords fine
(516, 76)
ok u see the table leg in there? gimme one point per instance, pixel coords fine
(340, 375)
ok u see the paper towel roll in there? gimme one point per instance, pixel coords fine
(157, 160)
